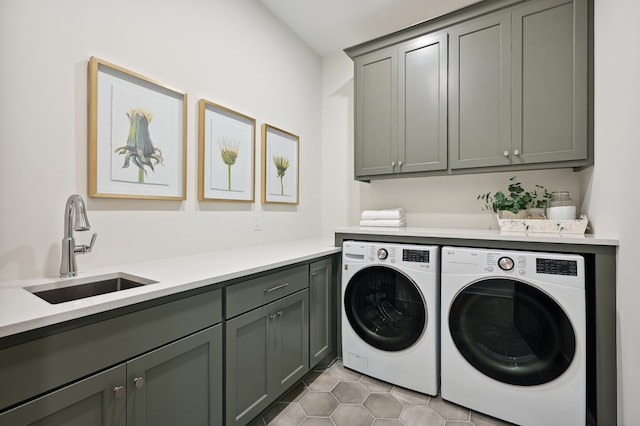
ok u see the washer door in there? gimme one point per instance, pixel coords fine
(385, 308)
(512, 332)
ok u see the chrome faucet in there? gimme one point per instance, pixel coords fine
(75, 208)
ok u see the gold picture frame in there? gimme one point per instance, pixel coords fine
(137, 135)
(226, 154)
(280, 166)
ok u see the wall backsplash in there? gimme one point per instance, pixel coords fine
(450, 201)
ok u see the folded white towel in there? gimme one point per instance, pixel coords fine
(383, 214)
(383, 222)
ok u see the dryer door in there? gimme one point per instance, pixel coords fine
(512, 331)
(385, 308)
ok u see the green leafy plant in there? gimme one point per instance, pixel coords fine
(540, 200)
(516, 199)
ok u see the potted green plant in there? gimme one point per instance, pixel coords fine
(516, 202)
(539, 201)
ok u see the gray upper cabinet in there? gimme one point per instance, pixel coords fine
(508, 89)
(549, 87)
(401, 107)
(480, 92)
(518, 86)
(376, 136)
(422, 104)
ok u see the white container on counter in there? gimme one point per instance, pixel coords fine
(561, 206)
(561, 213)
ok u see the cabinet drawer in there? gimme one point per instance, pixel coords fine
(255, 292)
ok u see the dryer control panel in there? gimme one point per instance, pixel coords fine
(557, 268)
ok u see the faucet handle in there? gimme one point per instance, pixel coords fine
(93, 241)
(84, 248)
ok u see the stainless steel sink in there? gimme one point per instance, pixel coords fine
(74, 289)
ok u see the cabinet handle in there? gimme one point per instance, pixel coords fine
(119, 391)
(516, 152)
(393, 164)
(314, 275)
(506, 154)
(278, 287)
(276, 315)
(400, 163)
(139, 382)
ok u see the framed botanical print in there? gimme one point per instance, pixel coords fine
(280, 166)
(226, 154)
(137, 135)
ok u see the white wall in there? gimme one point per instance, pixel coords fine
(234, 53)
(613, 197)
(606, 192)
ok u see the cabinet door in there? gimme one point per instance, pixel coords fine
(480, 92)
(550, 81)
(247, 340)
(321, 316)
(376, 118)
(289, 338)
(89, 402)
(267, 351)
(178, 384)
(422, 104)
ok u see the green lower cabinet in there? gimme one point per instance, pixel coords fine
(321, 313)
(177, 384)
(96, 400)
(267, 351)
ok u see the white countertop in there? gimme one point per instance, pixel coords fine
(484, 235)
(22, 311)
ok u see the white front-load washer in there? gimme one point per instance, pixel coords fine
(514, 334)
(390, 313)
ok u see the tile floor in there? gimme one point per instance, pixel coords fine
(337, 396)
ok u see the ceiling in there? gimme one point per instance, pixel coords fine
(332, 25)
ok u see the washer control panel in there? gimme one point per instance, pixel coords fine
(415, 257)
(419, 256)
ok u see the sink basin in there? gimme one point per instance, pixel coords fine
(74, 289)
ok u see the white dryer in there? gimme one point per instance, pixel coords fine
(514, 334)
(390, 313)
